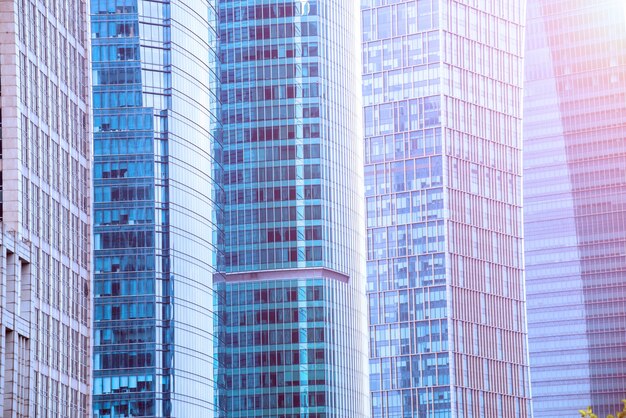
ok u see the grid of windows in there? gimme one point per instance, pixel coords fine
(442, 173)
(45, 211)
(292, 161)
(272, 133)
(406, 275)
(574, 197)
(282, 338)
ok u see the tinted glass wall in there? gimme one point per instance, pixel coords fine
(574, 197)
(293, 186)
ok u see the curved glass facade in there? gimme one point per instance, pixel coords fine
(442, 103)
(293, 172)
(156, 210)
(575, 204)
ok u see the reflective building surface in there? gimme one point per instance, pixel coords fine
(442, 103)
(157, 211)
(295, 320)
(575, 204)
(45, 205)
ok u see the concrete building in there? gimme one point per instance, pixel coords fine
(45, 311)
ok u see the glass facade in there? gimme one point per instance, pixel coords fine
(157, 207)
(574, 204)
(295, 319)
(442, 105)
(45, 157)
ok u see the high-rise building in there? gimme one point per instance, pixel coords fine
(156, 209)
(45, 160)
(575, 204)
(443, 105)
(294, 295)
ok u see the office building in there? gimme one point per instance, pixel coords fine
(156, 209)
(295, 326)
(443, 105)
(575, 204)
(45, 159)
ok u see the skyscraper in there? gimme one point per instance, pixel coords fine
(575, 204)
(442, 99)
(295, 322)
(45, 312)
(157, 210)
